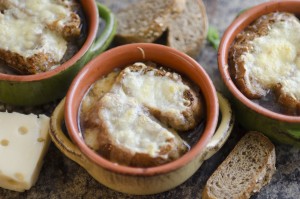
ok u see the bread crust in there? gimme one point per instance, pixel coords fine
(232, 179)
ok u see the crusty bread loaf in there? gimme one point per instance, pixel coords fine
(145, 21)
(187, 31)
(248, 168)
(165, 94)
(265, 57)
(132, 116)
(33, 34)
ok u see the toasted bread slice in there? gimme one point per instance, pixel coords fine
(248, 168)
(33, 35)
(265, 56)
(127, 134)
(167, 96)
(145, 20)
(187, 31)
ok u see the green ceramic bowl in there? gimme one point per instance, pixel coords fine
(279, 127)
(25, 90)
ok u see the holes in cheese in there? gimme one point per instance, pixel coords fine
(24, 141)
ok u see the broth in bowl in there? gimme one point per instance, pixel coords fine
(143, 115)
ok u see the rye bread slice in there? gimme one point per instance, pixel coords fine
(248, 168)
(145, 21)
(187, 31)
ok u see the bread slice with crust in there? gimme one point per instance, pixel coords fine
(145, 21)
(187, 31)
(248, 167)
(166, 95)
(265, 57)
(33, 35)
(127, 134)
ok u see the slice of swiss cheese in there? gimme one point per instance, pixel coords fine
(24, 140)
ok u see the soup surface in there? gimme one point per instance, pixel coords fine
(142, 115)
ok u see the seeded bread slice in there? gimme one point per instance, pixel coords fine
(145, 20)
(248, 168)
(187, 31)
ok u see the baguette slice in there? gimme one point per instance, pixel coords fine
(248, 167)
(188, 30)
(145, 20)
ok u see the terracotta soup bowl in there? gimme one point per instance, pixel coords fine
(48, 86)
(279, 127)
(136, 180)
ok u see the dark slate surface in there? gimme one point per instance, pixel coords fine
(62, 178)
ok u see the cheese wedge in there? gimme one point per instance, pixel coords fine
(24, 140)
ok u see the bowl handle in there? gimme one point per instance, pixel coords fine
(223, 130)
(62, 141)
(107, 30)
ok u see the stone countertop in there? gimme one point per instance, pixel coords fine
(60, 177)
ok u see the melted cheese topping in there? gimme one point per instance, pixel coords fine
(23, 28)
(158, 92)
(46, 11)
(275, 59)
(131, 127)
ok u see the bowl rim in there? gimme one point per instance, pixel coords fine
(76, 136)
(93, 21)
(238, 24)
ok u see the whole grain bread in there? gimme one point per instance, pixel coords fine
(248, 167)
(187, 31)
(282, 79)
(145, 21)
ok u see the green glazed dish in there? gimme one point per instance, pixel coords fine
(31, 90)
(279, 127)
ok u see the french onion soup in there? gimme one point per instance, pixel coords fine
(264, 62)
(143, 115)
